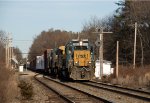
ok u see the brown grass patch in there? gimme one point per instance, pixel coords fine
(138, 77)
(8, 85)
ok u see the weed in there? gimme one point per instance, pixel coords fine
(26, 89)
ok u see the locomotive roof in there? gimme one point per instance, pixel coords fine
(77, 40)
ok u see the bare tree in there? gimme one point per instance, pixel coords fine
(49, 40)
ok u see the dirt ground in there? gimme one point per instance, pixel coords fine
(130, 78)
(40, 93)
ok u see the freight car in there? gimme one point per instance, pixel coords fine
(74, 60)
(37, 64)
(47, 53)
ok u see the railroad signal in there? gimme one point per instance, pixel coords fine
(100, 31)
(97, 43)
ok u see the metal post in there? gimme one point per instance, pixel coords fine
(117, 60)
(101, 55)
(135, 45)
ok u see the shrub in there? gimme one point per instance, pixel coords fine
(26, 89)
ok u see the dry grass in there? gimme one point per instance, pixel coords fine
(137, 77)
(26, 89)
(8, 85)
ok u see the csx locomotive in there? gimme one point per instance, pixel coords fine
(74, 60)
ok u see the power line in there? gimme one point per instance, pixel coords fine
(22, 40)
(28, 53)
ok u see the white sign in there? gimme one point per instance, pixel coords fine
(20, 68)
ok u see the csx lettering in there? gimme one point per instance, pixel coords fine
(81, 56)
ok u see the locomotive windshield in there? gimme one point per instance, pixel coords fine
(80, 48)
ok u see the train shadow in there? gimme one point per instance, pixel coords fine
(78, 81)
(66, 80)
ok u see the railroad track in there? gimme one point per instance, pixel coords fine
(58, 93)
(143, 95)
(68, 93)
(124, 88)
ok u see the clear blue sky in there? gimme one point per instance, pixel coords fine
(27, 18)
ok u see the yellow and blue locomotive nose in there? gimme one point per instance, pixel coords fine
(81, 57)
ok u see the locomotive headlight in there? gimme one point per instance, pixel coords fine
(76, 63)
(81, 43)
(89, 62)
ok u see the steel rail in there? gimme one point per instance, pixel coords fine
(55, 91)
(125, 88)
(93, 96)
(117, 91)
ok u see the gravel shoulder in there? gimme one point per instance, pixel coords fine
(40, 93)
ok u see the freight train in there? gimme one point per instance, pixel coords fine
(74, 60)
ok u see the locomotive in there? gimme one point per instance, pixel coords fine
(75, 60)
(80, 63)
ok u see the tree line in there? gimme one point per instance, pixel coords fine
(121, 23)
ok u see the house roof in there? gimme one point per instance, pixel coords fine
(14, 60)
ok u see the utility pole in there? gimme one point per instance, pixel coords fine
(7, 43)
(6, 51)
(12, 51)
(117, 59)
(78, 36)
(135, 45)
(9, 53)
(100, 31)
(4, 41)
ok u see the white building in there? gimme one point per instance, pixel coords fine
(107, 70)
